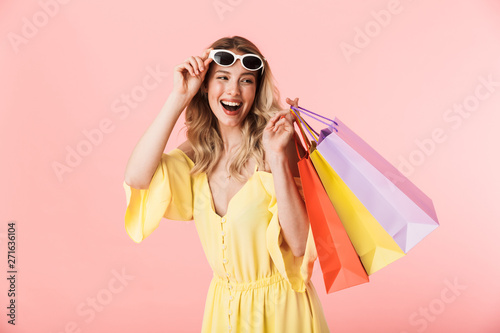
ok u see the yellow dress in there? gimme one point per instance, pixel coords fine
(258, 285)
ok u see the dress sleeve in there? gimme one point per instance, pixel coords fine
(169, 195)
(296, 270)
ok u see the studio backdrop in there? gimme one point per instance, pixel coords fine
(81, 81)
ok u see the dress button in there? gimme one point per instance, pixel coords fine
(224, 260)
(222, 233)
(223, 220)
(224, 246)
(229, 286)
(230, 297)
(229, 312)
(229, 326)
(228, 274)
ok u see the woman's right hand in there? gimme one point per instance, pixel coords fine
(189, 75)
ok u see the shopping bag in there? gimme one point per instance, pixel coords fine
(402, 209)
(375, 247)
(340, 264)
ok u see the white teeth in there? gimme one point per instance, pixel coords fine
(230, 103)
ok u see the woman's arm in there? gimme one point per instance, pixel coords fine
(292, 214)
(147, 154)
(148, 151)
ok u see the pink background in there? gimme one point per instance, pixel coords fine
(68, 77)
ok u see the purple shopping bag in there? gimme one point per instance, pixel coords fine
(402, 209)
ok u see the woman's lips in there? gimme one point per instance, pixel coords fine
(230, 112)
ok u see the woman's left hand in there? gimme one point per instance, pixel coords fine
(279, 130)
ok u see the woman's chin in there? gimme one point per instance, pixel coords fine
(229, 123)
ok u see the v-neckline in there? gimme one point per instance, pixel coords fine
(212, 204)
(211, 197)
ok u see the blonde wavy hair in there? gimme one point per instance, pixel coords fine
(203, 128)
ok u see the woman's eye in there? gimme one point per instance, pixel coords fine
(222, 77)
(247, 81)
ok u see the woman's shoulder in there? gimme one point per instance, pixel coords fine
(187, 149)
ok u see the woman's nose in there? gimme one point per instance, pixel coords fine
(233, 87)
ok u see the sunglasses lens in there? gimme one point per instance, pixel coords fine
(252, 62)
(223, 58)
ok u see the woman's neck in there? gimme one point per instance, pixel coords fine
(231, 137)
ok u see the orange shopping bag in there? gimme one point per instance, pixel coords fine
(338, 259)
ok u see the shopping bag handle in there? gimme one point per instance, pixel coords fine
(308, 145)
(297, 141)
(310, 114)
(304, 122)
(301, 121)
(328, 124)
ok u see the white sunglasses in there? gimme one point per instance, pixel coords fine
(226, 58)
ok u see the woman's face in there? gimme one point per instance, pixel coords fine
(231, 92)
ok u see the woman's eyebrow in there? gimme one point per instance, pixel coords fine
(226, 72)
(249, 73)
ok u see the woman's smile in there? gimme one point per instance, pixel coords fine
(231, 107)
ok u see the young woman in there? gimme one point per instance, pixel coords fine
(236, 175)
